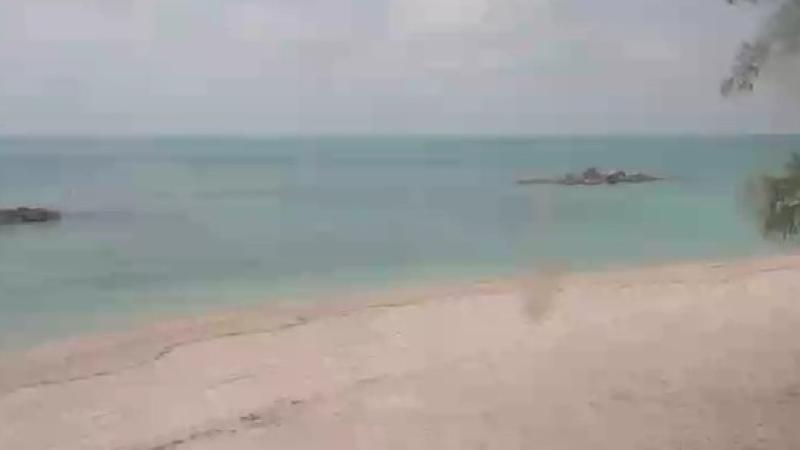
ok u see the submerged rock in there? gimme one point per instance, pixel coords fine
(594, 177)
(28, 215)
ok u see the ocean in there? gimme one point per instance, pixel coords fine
(176, 226)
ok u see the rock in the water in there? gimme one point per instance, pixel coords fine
(592, 173)
(28, 215)
(594, 177)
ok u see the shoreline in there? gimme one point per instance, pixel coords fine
(259, 361)
(146, 333)
(291, 297)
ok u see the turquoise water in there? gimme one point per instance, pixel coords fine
(181, 225)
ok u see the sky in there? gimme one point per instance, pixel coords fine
(380, 67)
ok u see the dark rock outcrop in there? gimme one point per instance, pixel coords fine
(28, 215)
(594, 177)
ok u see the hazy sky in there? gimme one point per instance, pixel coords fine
(378, 66)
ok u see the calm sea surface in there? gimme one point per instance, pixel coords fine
(169, 225)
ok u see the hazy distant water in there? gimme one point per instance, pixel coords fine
(183, 224)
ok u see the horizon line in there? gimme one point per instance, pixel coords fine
(340, 135)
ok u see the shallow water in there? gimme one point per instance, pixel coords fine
(177, 225)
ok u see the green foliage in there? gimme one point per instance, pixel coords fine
(777, 198)
(779, 208)
(778, 37)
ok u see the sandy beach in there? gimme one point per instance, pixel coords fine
(687, 356)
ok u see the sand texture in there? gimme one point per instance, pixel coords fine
(692, 356)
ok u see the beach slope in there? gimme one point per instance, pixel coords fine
(695, 356)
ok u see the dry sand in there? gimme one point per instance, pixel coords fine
(697, 356)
